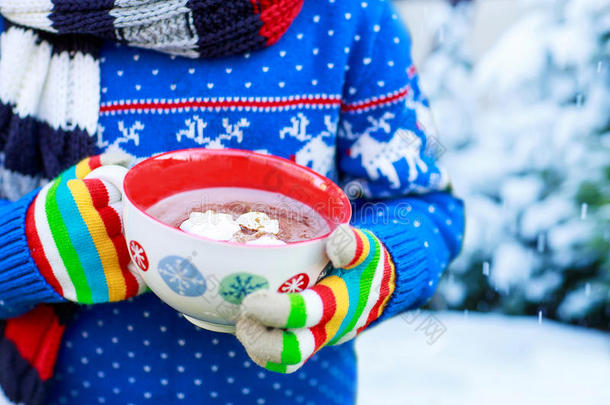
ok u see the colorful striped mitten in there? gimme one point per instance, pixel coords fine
(281, 331)
(74, 230)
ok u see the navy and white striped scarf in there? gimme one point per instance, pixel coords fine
(49, 106)
(49, 73)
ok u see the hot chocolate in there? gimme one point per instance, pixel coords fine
(241, 215)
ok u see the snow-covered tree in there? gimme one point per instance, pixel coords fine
(527, 131)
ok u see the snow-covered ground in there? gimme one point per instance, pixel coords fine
(482, 359)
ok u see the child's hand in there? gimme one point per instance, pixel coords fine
(74, 230)
(281, 331)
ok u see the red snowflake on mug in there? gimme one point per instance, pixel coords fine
(138, 255)
(295, 284)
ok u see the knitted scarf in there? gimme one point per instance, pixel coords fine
(49, 105)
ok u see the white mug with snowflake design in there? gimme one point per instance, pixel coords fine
(205, 279)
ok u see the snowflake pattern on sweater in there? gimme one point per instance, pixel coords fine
(337, 93)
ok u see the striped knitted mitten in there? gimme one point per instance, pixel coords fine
(281, 331)
(74, 230)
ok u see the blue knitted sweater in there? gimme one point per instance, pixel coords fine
(337, 93)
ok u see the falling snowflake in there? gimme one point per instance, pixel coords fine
(182, 276)
(138, 255)
(295, 284)
(235, 287)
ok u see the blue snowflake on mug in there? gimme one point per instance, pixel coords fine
(182, 276)
(235, 287)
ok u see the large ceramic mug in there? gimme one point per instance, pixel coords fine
(206, 279)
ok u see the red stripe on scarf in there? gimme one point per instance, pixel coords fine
(37, 251)
(37, 337)
(277, 17)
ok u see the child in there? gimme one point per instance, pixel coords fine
(328, 84)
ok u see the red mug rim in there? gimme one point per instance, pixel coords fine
(141, 183)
